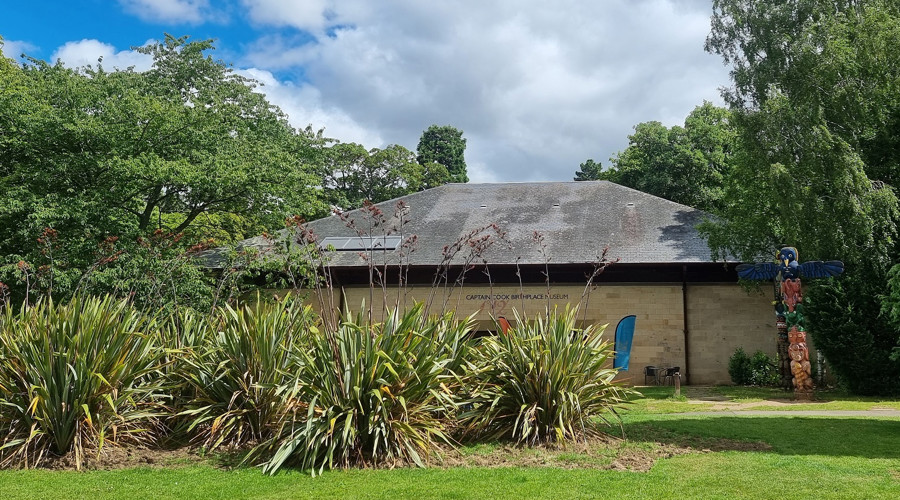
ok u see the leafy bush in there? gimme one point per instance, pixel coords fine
(763, 371)
(94, 371)
(370, 393)
(235, 365)
(544, 381)
(890, 306)
(181, 333)
(73, 377)
(739, 367)
(847, 327)
(758, 369)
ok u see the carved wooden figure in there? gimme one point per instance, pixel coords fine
(789, 308)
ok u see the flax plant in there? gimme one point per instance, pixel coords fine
(182, 334)
(544, 381)
(371, 394)
(234, 371)
(74, 377)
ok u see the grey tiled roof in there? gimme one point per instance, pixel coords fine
(576, 219)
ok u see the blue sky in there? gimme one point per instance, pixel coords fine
(46, 25)
(536, 86)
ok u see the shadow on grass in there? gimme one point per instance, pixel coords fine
(859, 437)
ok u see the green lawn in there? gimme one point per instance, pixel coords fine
(733, 457)
(660, 400)
(717, 475)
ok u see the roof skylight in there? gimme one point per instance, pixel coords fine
(359, 243)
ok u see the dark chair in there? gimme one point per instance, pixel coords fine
(670, 374)
(651, 371)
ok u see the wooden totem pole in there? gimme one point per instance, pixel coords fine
(792, 346)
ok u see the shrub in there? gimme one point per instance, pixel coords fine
(759, 369)
(847, 326)
(763, 371)
(544, 381)
(739, 367)
(370, 394)
(183, 332)
(233, 368)
(75, 376)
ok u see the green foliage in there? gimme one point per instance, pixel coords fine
(444, 145)
(91, 154)
(370, 394)
(847, 326)
(762, 370)
(274, 377)
(687, 164)
(757, 370)
(833, 55)
(234, 367)
(544, 381)
(434, 174)
(74, 376)
(353, 175)
(157, 273)
(815, 103)
(890, 301)
(589, 171)
(794, 181)
(739, 367)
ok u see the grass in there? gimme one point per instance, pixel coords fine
(787, 435)
(815, 457)
(805, 457)
(662, 400)
(735, 457)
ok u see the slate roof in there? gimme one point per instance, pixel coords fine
(577, 220)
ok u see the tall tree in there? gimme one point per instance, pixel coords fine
(444, 145)
(434, 174)
(93, 154)
(831, 57)
(589, 171)
(815, 103)
(685, 164)
(353, 175)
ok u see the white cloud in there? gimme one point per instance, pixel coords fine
(303, 105)
(309, 15)
(172, 11)
(537, 87)
(15, 48)
(87, 52)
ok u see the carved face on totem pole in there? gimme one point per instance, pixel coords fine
(793, 334)
(796, 336)
(798, 352)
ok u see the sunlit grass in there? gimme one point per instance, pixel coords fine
(662, 400)
(813, 457)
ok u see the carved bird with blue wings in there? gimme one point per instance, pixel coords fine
(790, 268)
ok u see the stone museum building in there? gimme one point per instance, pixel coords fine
(494, 249)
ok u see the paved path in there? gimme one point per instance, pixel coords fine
(798, 413)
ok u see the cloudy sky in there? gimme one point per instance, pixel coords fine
(536, 86)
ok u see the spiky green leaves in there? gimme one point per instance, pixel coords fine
(545, 381)
(74, 376)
